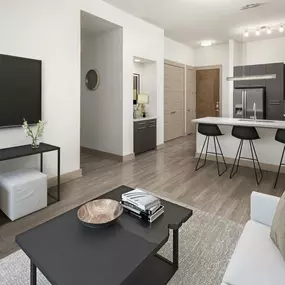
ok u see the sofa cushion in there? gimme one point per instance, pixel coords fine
(256, 259)
(278, 226)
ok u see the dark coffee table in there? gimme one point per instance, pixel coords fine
(69, 253)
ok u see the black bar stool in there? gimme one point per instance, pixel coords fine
(249, 134)
(280, 137)
(210, 130)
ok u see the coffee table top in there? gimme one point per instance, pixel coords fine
(69, 253)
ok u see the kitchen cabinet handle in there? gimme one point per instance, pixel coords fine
(274, 102)
(173, 112)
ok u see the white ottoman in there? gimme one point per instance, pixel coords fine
(22, 192)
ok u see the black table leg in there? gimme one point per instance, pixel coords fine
(175, 249)
(58, 174)
(33, 274)
(41, 162)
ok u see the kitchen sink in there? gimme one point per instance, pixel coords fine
(260, 121)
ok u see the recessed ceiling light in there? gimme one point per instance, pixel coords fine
(252, 6)
(257, 32)
(246, 34)
(269, 31)
(281, 29)
(206, 43)
(137, 60)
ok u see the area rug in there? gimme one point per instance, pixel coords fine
(206, 246)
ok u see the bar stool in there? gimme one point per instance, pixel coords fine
(280, 137)
(210, 130)
(249, 134)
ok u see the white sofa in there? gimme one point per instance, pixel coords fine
(256, 260)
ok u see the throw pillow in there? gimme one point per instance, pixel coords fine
(278, 226)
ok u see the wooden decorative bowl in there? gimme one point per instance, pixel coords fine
(100, 213)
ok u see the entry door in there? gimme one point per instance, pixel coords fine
(173, 101)
(207, 93)
(190, 100)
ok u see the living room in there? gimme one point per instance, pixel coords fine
(215, 218)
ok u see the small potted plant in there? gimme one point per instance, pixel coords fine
(34, 136)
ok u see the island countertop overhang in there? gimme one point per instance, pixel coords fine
(241, 122)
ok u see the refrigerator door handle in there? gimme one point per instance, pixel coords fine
(245, 103)
(242, 102)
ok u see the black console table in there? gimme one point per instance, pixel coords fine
(27, 150)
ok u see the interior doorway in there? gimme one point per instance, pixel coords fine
(190, 99)
(101, 92)
(174, 93)
(208, 89)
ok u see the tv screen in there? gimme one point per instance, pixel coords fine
(20, 90)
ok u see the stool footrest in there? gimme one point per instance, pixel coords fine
(216, 141)
(253, 158)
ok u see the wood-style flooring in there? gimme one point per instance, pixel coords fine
(169, 172)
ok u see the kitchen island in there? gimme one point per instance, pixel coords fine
(268, 150)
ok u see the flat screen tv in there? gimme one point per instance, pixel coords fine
(20, 90)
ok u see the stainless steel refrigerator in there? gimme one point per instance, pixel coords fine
(245, 100)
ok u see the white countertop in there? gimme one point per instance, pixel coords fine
(242, 122)
(144, 119)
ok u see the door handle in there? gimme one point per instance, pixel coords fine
(173, 112)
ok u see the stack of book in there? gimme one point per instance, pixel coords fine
(142, 205)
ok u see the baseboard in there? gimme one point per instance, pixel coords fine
(128, 157)
(243, 162)
(65, 178)
(160, 146)
(108, 155)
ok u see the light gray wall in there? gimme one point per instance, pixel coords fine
(101, 110)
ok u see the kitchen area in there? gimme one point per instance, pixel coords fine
(262, 87)
(249, 138)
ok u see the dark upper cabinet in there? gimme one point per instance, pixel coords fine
(241, 71)
(259, 69)
(275, 92)
(275, 87)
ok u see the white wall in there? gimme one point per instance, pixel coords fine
(101, 112)
(235, 58)
(38, 29)
(216, 55)
(178, 52)
(149, 85)
(35, 29)
(142, 40)
(265, 51)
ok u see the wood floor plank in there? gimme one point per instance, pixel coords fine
(168, 172)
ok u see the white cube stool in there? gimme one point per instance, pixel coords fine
(22, 192)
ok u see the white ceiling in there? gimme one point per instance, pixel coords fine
(92, 25)
(191, 21)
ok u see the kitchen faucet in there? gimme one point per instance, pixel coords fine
(254, 111)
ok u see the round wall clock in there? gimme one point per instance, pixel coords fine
(92, 79)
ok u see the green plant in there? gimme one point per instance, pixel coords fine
(34, 136)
